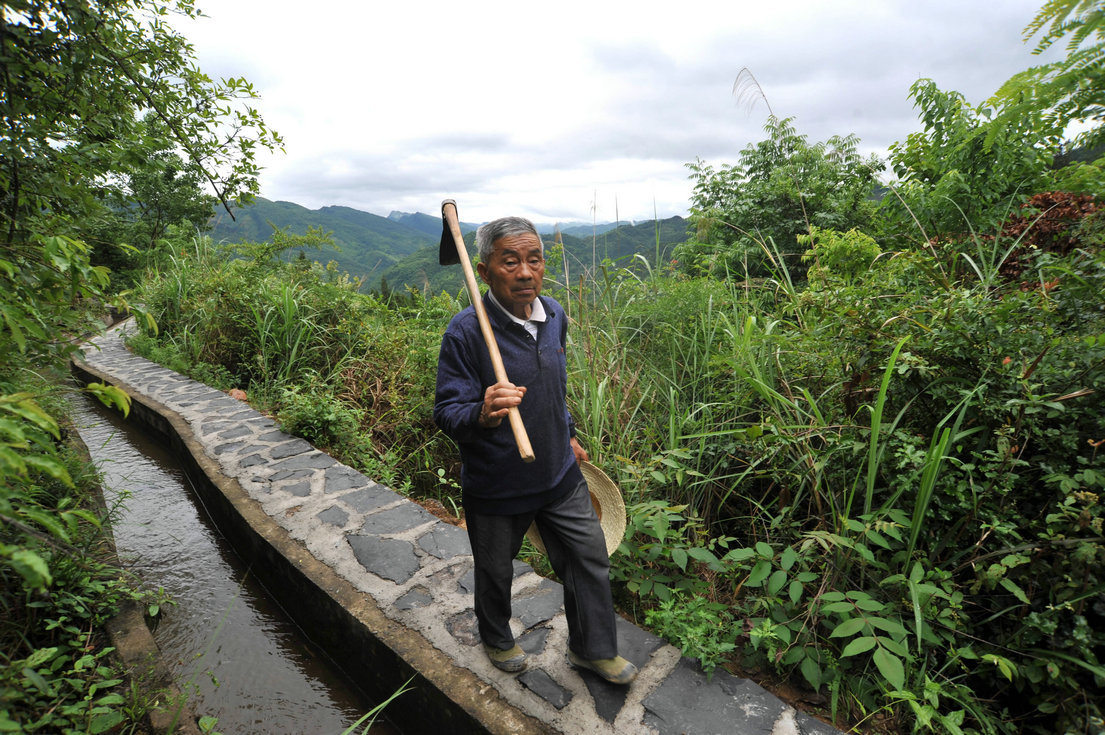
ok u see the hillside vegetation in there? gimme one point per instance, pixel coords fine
(638, 247)
(361, 244)
(400, 252)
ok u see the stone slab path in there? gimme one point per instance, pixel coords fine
(417, 571)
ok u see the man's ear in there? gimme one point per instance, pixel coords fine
(481, 268)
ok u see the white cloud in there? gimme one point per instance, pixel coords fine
(554, 110)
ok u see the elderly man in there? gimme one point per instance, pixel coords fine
(502, 495)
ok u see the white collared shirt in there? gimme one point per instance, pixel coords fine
(537, 314)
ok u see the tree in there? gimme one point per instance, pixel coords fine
(780, 188)
(1071, 90)
(972, 166)
(79, 77)
(142, 205)
(967, 167)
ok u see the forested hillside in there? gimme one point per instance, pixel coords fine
(365, 244)
(429, 224)
(650, 240)
(400, 251)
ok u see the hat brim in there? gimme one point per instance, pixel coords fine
(609, 507)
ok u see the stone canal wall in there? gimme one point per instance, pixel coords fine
(385, 587)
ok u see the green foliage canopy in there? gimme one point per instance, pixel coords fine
(142, 207)
(966, 165)
(78, 78)
(780, 187)
(1069, 90)
(102, 111)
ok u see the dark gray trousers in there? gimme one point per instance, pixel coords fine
(574, 542)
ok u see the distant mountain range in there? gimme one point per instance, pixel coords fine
(432, 225)
(401, 249)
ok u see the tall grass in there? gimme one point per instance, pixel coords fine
(826, 463)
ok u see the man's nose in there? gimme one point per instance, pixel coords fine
(524, 271)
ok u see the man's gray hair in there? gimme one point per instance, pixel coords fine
(496, 229)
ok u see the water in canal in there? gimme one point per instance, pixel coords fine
(225, 641)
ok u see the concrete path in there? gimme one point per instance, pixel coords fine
(361, 555)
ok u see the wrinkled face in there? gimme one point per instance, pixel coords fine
(514, 272)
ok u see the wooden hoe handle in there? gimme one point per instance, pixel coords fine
(449, 214)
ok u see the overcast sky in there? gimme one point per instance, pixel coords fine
(569, 111)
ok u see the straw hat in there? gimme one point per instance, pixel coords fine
(609, 507)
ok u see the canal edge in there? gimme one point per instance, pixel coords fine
(477, 707)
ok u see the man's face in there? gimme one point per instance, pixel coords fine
(514, 272)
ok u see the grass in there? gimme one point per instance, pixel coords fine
(774, 442)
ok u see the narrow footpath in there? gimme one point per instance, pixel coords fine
(386, 588)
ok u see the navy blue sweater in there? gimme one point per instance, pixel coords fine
(493, 477)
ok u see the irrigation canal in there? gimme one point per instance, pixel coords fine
(226, 642)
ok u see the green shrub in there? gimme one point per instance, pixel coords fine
(317, 416)
(888, 480)
(700, 628)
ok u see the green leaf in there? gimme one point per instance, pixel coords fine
(765, 550)
(705, 556)
(895, 647)
(22, 405)
(14, 433)
(811, 671)
(33, 568)
(1007, 668)
(788, 558)
(110, 396)
(776, 582)
(890, 667)
(858, 645)
(795, 591)
(38, 681)
(1012, 587)
(739, 554)
(679, 556)
(759, 574)
(869, 605)
(892, 627)
(40, 656)
(47, 520)
(49, 466)
(877, 538)
(848, 628)
(86, 515)
(864, 552)
(838, 607)
(101, 723)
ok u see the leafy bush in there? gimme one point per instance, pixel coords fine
(699, 627)
(838, 256)
(781, 187)
(317, 416)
